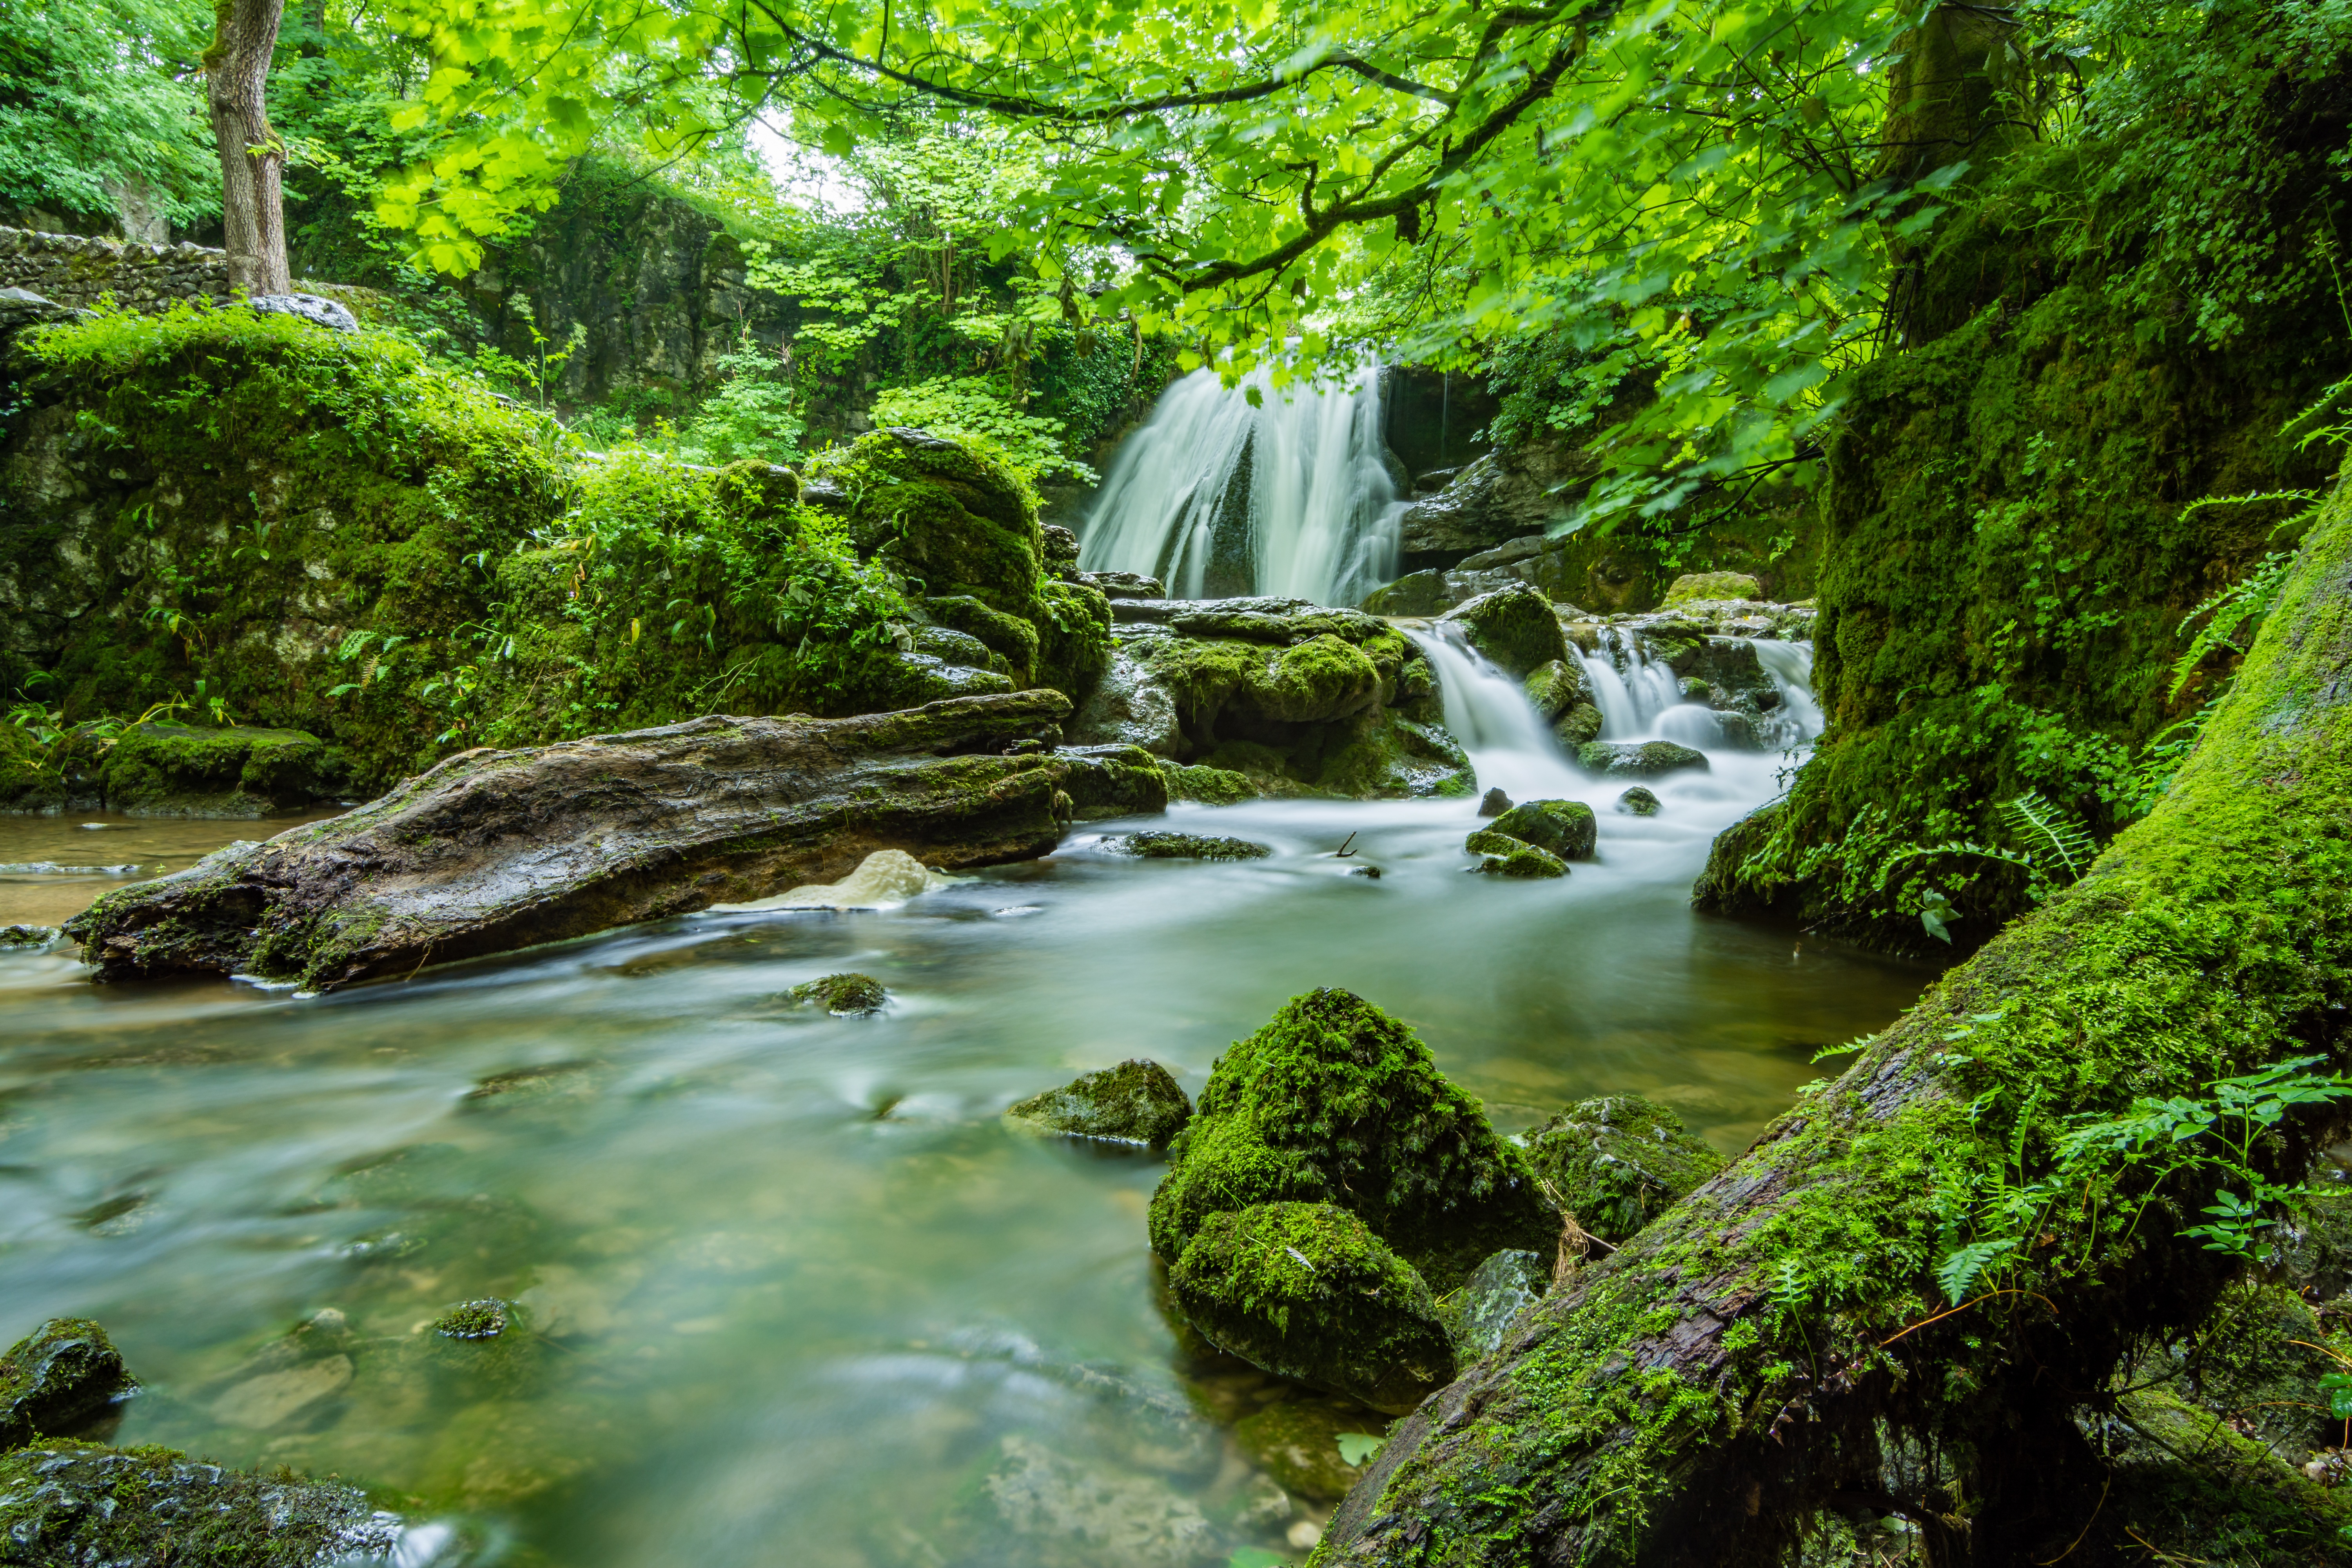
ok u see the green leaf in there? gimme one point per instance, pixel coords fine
(1958, 1273)
(1356, 1447)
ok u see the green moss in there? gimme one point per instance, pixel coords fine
(164, 769)
(948, 515)
(1335, 1101)
(1706, 585)
(1207, 785)
(1073, 638)
(1565, 827)
(1618, 1161)
(1504, 856)
(1307, 1291)
(1515, 628)
(849, 995)
(1009, 637)
(1187, 847)
(1638, 760)
(75, 1502)
(1135, 1102)
(61, 1373)
(483, 1320)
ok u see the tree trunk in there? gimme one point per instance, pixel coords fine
(1771, 1347)
(253, 216)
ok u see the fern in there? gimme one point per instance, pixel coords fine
(2056, 840)
(1963, 1267)
(2227, 611)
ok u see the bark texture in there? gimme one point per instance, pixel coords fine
(252, 159)
(492, 851)
(1771, 1347)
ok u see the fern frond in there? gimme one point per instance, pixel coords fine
(2225, 612)
(1961, 1270)
(2061, 847)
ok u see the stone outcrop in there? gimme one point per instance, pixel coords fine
(76, 271)
(496, 850)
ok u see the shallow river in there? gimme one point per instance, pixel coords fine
(802, 1297)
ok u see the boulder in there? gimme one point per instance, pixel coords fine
(496, 850)
(1515, 628)
(1493, 803)
(1638, 801)
(1124, 584)
(315, 309)
(1565, 827)
(159, 769)
(1497, 1290)
(78, 1503)
(1500, 855)
(1058, 549)
(1130, 706)
(1502, 496)
(1713, 586)
(1186, 847)
(57, 1376)
(1335, 1101)
(1136, 1102)
(848, 996)
(1306, 1290)
(950, 516)
(1111, 781)
(1580, 726)
(1618, 1161)
(1558, 686)
(1638, 759)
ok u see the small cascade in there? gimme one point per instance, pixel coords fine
(1215, 497)
(1632, 690)
(1509, 745)
(1799, 718)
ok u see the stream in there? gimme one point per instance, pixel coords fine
(800, 1296)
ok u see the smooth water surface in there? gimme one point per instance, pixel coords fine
(802, 1297)
(52, 867)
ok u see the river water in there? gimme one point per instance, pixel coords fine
(801, 1298)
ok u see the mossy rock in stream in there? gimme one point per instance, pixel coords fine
(1186, 847)
(64, 1502)
(1207, 785)
(1515, 628)
(33, 937)
(60, 1374)
(1335, 1101)
(1136, 1102)
(1500, 855)
(1565, 827)
(181, 770)
(1558, 686)
(1617, 1162)
(1307, 1291)
(848, 996)
(1580, 726)
(1639, 760)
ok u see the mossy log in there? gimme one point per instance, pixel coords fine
(492, 851)
(1776, 1346)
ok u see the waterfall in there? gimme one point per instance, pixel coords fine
(1215, 497)
(1509, 745)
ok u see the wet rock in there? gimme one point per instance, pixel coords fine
(1307, 1291)
(1297, 1442)
(1136, 1102)
(1112, 781)
(278, 1399)
(1514, 627)
(1185, 846)
(1578, 726)
(1500, 855)
(1493, 803)
(315, 309)
(159, 769)
(1713, 585)
(1372, 871)
(1619, 1161)
(1208, 785)
(29, 937)
(1694, 689)
(1638, 759)
(1556, 687)
(954, 648)
(77, 1503)
(1070, 1515)
(495, 850)
(56, 1377)
(1116, 585)
(846, 996)
(1334, 1101)
(1565, 827)
(483, 1346)
(1638, 801)
(1131, 706)
(539, 1085)
(1058, 549)
(1502, 496)
(1497, 1291)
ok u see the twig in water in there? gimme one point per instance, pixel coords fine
(1344, 851)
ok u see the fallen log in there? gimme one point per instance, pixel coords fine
(1786, 1341)
(491, 851)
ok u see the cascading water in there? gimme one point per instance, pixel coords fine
(1215, 497)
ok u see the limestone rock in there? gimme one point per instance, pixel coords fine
(28, 937)
(163, 769)
(61, 1374)
(1124, 584)
(1713, 585)
(1638, 759)
(315, 309)
(274, 1399)
(1136, 1102)
(1515, 628)
(1066, 1514)
(1619, 1161)
(1580, 725)
(1307, 1291)
(1501, 497)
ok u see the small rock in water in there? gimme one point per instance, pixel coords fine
(1136, 1102)
(1563, 826)
(1696, 690)
(1505, 856)
(1372, 871)
(483, 1320)
(59, 1374)
(1639, 801)
(275, 1398)
(884, 879)
(1642, 760)
(1494, 804)
(1186, 847)
(28, 936)
(850, 996)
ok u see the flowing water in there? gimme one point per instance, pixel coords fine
(800, 1296)
(1216, 496)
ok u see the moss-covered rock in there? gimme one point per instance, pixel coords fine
(1556, 688)
(1639, 800)
(1617, 1162)
(1500, 855)
(159, 769)
(950, 516)
(846, 996)
(1578, 726)
(1136, 1102)
(1335, 1101)
(81, 1503)
(55, 1377)
(1207, 785)
(22, 936)
(1711, 586)
(1186, 847)
(1565, 827)
(1515, 628)
(1639, 759)
(1306, 1290)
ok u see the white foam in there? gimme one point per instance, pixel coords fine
(883, 881)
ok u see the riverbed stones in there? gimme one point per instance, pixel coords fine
(1514, 627)
(1335, 1101)
(78, 1503)
(1307, 1291)
(1066, 1514)
(1139, 1102)
(1617, 1162)
(1160, 846)
(1639, 759)
(276, 1399)
(844, 995)
(495, 850)
(1565, 827)
(1638, 801)
(60, 1375)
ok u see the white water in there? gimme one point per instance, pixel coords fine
(1323, 508)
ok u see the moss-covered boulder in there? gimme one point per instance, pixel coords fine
(1515, 628)
(1617, 1162)
(848, 996)
(1639, 800)
(183, 770)
(1136, 1102)
(1580, 726)
(1186, 847)
(81, 1503)
(1306, 1290)
(1639, 759)
(1566, 828)
(1207, 785)
(60, 1374)
(1500, 855)
(1712, 586)
(1335, 1101)
(950, 516)
(1558, 687)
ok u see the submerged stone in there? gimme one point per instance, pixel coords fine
(1298, 1443)
(1186, 847)
(849, 995)
(1619, 1161)
(1335, 1101)
(1497, 1291)
(1307, 1291)
(60, 1374)
(78, 1503)
(1640, 759)
(1565, 827)
(1638, 801)
(1069, 1514)
(1136, 1102)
